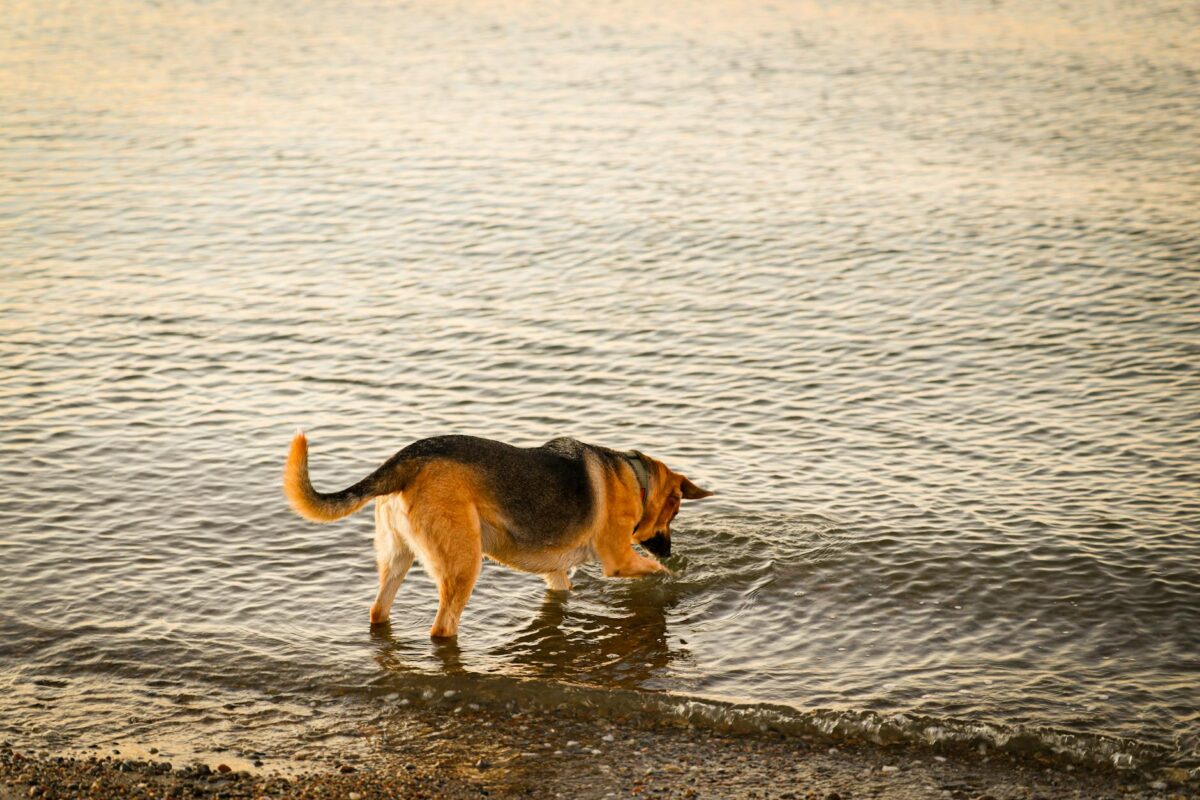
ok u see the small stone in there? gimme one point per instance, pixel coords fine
(449, 693)
(1159, 785)
(888, 769)
(483, 763)
(153, 750)
(608, 737)
(346, 769)
(224, 768)
(354, 796)
(1175, 775)
(572, 743)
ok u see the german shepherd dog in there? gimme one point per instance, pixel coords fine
(450, 500)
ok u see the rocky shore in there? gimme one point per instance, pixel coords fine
(427, 753)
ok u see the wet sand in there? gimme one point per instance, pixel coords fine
(469, 752)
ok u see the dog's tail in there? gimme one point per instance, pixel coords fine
(319, 506)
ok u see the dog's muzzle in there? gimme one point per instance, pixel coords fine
(659, 545)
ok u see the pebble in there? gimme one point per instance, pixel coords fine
(1176, 775)
(888, 769)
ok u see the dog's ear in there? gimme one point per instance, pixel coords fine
(693, 492)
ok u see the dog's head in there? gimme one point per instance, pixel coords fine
(666, 491)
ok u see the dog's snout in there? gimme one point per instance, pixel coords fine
(659, 545)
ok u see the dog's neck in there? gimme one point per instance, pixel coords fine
(641, 473)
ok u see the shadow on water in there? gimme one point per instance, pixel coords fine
(617, 640)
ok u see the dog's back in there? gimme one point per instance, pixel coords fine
(546, 491)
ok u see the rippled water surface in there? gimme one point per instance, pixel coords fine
(915, 290)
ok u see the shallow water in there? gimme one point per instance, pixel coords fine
(915, 291)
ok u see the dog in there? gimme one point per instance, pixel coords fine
(450, 500)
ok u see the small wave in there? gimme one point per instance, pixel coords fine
(1049, 746)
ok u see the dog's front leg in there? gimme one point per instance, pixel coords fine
(617, 557)
(636, 566)
(558, 581)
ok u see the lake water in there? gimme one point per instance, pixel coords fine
(915, 289)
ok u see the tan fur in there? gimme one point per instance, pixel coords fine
(446, 519)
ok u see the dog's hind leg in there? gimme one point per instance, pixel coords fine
(451, 546)
(393, 556)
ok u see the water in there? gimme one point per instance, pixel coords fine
(914, 289)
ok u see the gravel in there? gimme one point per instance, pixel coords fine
(475, 753)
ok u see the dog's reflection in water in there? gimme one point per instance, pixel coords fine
(617, 640)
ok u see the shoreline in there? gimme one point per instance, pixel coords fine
(471, 751)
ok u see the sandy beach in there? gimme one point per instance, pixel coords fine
(455, 751)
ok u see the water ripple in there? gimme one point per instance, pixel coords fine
(918, 299)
